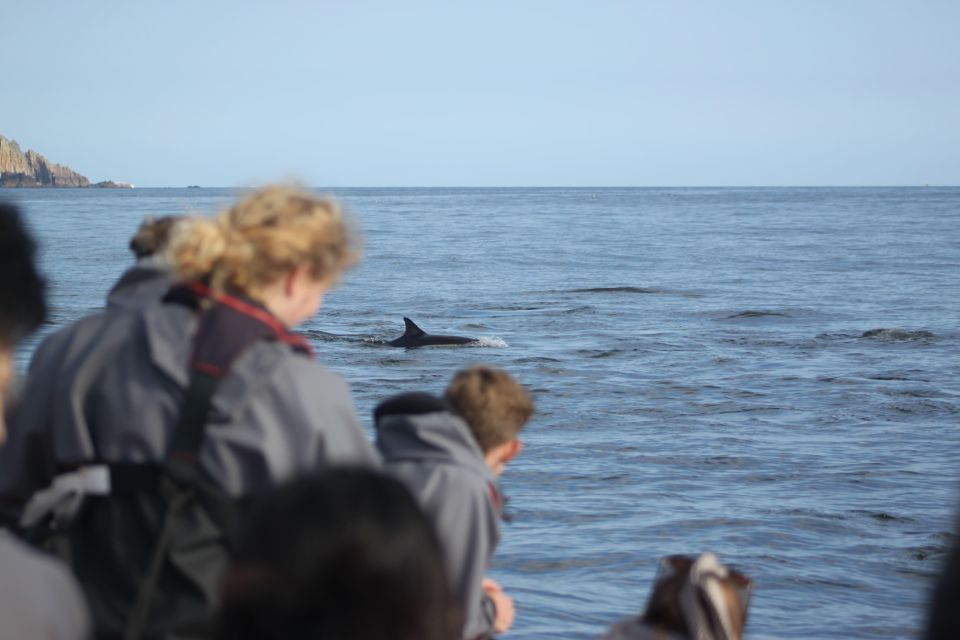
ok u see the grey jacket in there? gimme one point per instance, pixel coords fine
(39, 599)
(433, 452)
(109, 388)
(144, 283)
(65, 365)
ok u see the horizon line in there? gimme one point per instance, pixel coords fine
(683, 186)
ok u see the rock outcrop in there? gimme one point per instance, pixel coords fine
(30, 169)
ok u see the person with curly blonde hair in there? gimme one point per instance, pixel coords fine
(207, 391)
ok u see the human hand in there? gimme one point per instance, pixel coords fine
(506, 612)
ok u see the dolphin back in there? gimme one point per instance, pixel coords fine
(414, 337)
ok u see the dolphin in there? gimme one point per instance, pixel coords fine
(414, 337)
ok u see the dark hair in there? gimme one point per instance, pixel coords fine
(663, 607)
(22, 307)
(667, 611)
(346, 553)
(152, 235)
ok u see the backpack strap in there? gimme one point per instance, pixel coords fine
(229, 324)
(227, 328)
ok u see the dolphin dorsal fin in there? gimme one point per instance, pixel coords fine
(412, 330)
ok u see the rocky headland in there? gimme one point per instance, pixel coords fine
(30, 169)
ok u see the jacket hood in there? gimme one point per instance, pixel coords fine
(142, 284)
(420, 426)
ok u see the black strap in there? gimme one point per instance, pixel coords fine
(178, 488)
(137, 621)
(225, 331)
(191, 429)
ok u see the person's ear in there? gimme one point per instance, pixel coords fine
(293, 278)
(512, 450)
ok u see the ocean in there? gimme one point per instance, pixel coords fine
(772, 374)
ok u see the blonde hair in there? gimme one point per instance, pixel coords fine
(492, 402)
(264, 236)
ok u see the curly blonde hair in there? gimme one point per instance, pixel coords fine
(492, 402)
(264, 236)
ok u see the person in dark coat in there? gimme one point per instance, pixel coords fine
(449, 452)
(39, 599)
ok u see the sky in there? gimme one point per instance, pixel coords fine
(340, 93)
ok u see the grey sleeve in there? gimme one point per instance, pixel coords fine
(26, 457)
(48, 421)
(26, 465)
(327, 418)
(346, 441)
(468, 529)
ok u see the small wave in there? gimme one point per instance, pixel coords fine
(836, 380)
(897, 335)
(892, 377)
(757, 314)
(489, 341)
(617, 290)
(923, 406)
(882, 516)
(647, 291)
(571, 311)
(596, 353)
(836, 336)
(928, 552)
(314, 334)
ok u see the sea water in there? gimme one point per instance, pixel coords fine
(770, 374)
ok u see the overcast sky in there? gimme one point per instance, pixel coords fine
(343, 93)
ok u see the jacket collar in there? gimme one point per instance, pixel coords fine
(228, 324)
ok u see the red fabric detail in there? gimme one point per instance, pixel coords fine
(283, 334)
(204, 367)
(495, 496)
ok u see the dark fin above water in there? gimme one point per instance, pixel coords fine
(412, 330)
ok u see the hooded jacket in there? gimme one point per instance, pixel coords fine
(109, 389)
(431, 450)
(64, 367)
(144, 283)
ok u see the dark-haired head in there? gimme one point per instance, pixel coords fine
(22, 307)
(152, 235)
(346, 553)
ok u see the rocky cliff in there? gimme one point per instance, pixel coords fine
(30, 169)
